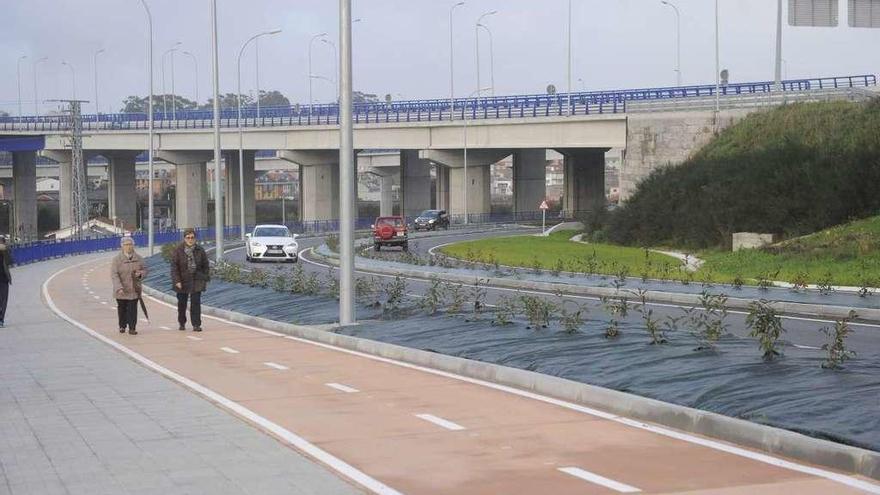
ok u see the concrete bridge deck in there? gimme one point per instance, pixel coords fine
(387, 426)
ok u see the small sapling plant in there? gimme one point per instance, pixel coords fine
(836, 345)
(766, 326)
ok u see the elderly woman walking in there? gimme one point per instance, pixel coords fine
(190, 273)
(126, 272)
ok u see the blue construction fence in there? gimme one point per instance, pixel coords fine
(31, 252)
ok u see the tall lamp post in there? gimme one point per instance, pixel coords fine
(18, 70)
(778, 74)
(36, 97)
(347, 177)
(196, 64)
(97, 108)
(218, 198)
(568, 62)
(171, 50)
(240, 131)
(150, 129)
(477, 41)
(72, 77)
(451, 65)
(491, 57)
(717, 67)
(677, 41)
(335, 66)
(465, 188)
(311, 41)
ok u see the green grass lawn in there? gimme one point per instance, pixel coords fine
(557, 252)
(843, 255)
(847, 254)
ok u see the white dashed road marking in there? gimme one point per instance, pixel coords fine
(163, 327)
(229, 350)
(449, 425)
(193, 337)
(599, 480)
(277, 366)
(342, 388)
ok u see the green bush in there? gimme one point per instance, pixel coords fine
(793, 170)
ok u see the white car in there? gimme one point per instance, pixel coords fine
(272, 243)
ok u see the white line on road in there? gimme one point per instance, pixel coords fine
(193, 337)
(163, 327)
(599, 480)
(97, 297)
(104, 302)
(277, 366)
(449, 425)
(342, 388)
(229, 350)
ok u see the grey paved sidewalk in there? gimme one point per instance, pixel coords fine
(79, 417)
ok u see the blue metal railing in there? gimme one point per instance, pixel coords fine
(490, 107)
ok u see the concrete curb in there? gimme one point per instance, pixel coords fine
(767, 439)
(789, 308)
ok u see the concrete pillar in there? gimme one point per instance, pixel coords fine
(233, 191)
(191, 187)
(122, 188)
(386, 202)
(477, 185)
(24, 188)
(415, 183)
(529, 179)
(319, 183)
(65, 186)
(442, 187)
(584, 179)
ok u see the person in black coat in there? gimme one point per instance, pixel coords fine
(190, 273)
(5, 279)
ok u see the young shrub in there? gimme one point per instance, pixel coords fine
(311, 284)
(364, 287)
(799, 282)
(711, 321)
(617, 309)
(279, 283)
(571, 321)
(168, 251)
(297, 279)
(765, 280)
(558, 268)
(652, 324)
(505, 311)
(766, 326)
(537, 266)
(738, 281)
(332, 242)
(538, 311)
(836, 345)
(395, 291)
(332, 283)
(825, 285)
(456, 297)
(477, 295)
(434, 296)
(257, 278)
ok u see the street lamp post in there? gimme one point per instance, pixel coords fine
(335, 66)
(18, 69)
(451, 80)
(677, 41)
(240, 131)
(717, 67)
(347, 177)
(491, 58)
(150, 129)
(311, 41)
(196, 64)
(72, 77)
(778, 74)
(568, 62)
(218, 198)
(36, 97)
(477, 42)
(97, 108)
(164, 91)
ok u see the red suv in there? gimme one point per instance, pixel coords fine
(390, 231)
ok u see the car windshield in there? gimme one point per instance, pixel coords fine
(271, 232)
(394, 222)
(429, 214)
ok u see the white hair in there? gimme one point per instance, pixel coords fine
(126, 240)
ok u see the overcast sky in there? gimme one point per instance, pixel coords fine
(402, 46)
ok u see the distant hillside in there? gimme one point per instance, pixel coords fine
(793, 170)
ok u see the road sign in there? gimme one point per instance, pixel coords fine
(815, 13)
(544, 206)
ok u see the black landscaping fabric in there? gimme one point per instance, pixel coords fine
(792, 392)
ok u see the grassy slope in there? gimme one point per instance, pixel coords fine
(846, 255)
(524, 250)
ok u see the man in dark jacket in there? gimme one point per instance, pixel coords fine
(5, 279)
(190, 273)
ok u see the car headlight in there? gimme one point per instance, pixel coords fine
(255, 244)
(431, 220)
(291, 246)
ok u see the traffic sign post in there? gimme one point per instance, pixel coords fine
(543, 208)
